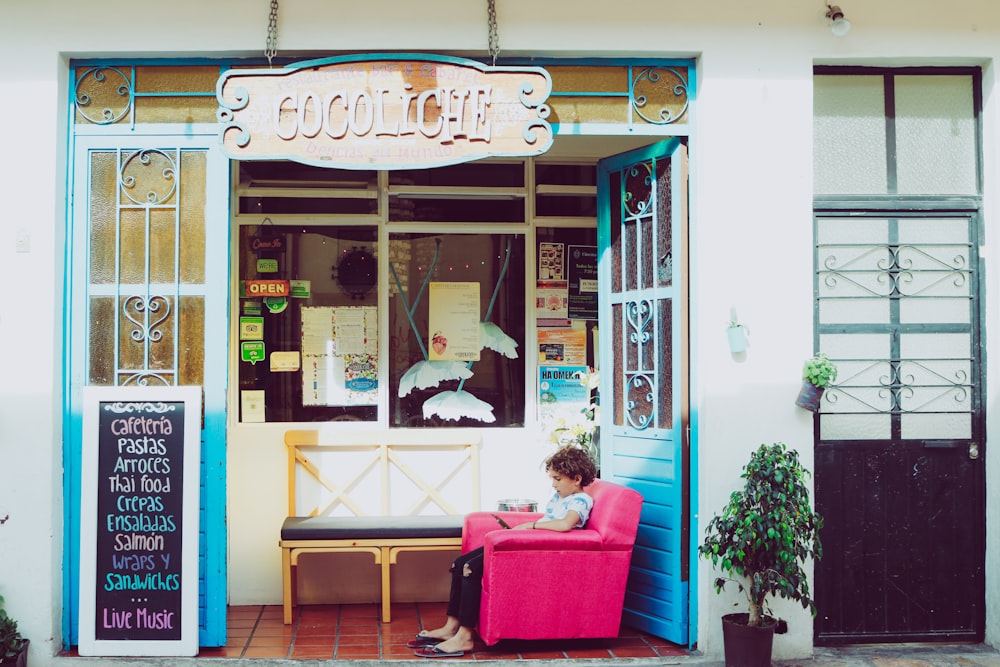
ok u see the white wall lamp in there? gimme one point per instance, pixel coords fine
(737, 333)
(839, 25)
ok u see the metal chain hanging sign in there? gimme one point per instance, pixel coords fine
(271, 46)
(494, 35)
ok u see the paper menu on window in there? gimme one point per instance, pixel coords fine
(339, 355)
(349, 330)
(317, 331)
(453, 320)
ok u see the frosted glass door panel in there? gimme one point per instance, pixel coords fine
(935, 135)
(849, 132)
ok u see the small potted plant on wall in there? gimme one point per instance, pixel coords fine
(13, 646)
(760, 541)
(817, 374)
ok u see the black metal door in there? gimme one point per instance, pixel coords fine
(900, 450)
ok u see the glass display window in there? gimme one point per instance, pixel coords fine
(308, 323)
(447, 341)
(456, 329)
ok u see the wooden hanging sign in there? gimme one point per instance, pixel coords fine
(384, 111)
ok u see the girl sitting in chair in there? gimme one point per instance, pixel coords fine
(570, 469)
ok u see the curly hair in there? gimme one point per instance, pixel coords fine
(572, 461)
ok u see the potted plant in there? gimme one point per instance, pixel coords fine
(817, 374)
(760, 541)
(13, 646)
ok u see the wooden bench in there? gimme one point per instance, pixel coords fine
(330, 516)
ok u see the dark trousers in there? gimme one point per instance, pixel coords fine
(466, 588)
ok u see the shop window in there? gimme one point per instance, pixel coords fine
(442, 371)
(308, 323)
(566, 191)
(565, 305)
(567, 269)
(279, 187)
(478, 377)
(467, 193)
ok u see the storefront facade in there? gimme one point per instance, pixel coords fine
(161, 218)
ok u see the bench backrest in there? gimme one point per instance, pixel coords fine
(379, 473)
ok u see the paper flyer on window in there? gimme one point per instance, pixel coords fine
(550, 261)
(582, 282)
(551, 300)
(339, 355)
(562, 346)
(453, 320)
(561, 394)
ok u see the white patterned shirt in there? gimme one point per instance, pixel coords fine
(558, 508)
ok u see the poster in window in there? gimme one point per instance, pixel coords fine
(551, 300)
(360, 372)
(562, 346)
(453, 321)
(550, 261)
(561, 394)
(582, 282)
(252, 406)
(339, 355)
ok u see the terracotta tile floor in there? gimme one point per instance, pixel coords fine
(354, 631)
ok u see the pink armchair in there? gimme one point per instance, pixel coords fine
(547, 585)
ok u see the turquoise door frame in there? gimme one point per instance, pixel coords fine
(645, 417)
(212, 586)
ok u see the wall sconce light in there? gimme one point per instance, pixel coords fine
(839, 25)
(737, 334)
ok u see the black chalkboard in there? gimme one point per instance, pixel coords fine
(137, 539)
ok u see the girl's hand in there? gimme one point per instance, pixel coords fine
(524, 526)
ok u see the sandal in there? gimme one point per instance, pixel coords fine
(435, 652)
(423, 641)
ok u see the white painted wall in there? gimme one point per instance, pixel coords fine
(751, 193)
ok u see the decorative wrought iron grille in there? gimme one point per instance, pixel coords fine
(897, 300)
(640, 375)
(137, 265)
(642, 278)
(664, 90)
(104, 95)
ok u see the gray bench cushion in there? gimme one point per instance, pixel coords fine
(370, 527)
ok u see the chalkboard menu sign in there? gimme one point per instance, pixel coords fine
(139, 513)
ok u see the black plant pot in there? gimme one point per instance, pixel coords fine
(19, 660)
(809, 396)
(746, 646)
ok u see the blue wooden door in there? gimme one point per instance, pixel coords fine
(642, 226)
(148, 305)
